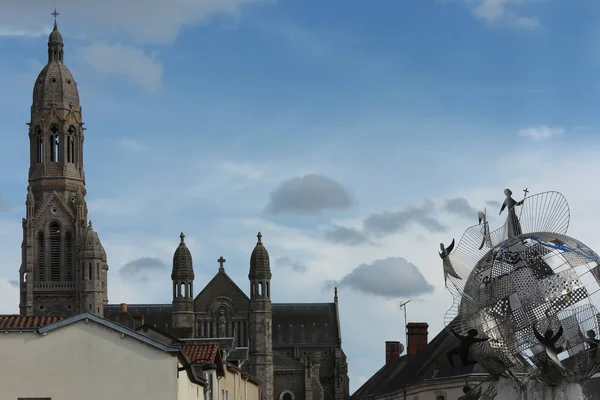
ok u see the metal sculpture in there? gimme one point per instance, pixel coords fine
(522, 279)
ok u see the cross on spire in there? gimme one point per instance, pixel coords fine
(182, 236)
(525, 191)
(259, 236)
(221, 261)
(55, 14)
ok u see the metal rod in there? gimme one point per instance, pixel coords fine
(403, 305)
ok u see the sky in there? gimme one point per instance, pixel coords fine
(356, 136)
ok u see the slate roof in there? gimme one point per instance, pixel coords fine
(11, 321)
(305, 323)
(431, 363)
(155, 315)
(293, 323)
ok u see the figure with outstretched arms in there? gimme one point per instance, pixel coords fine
(463, 348)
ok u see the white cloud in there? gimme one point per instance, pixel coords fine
(131, 144)
(543, 132)
(145, 21)
(125, 61)
(7, 31)
(503, 12)
(243, 170)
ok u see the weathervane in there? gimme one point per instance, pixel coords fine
(55, 14)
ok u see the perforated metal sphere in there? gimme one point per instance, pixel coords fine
(539, 281)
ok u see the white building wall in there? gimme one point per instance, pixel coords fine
(188, 390)
(86, 361)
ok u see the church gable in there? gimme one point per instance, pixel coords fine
(54, 208)
(221, 286)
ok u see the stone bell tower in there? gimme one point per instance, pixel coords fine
(260, 360)
(56, 234)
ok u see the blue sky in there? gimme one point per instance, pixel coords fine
(358, 121)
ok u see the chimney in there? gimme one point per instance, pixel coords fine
(392, 352)
(417, 338)
(123, 307)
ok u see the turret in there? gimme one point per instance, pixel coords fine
(260, 363)
(183, 289)
(92, 273)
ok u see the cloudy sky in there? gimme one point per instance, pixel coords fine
(356, 136)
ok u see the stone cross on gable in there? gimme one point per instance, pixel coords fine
(221, 261)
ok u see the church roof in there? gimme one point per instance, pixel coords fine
(183, 268)
(293, 323)
(305, 323)
(12, 321)
(259, 261)
(55, 85)
(155, 315)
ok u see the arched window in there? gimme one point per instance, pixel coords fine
(39, 145)
(55, 251)
(41, 267)
(182, 290)
(54, 144)
(287, 396)
(69, 255)
(267, 294)
(98, 271)
(260, 289)
(71, 145)
(90, 271)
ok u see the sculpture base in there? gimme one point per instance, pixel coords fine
(510, 390)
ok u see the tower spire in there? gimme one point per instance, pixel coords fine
(55, 42)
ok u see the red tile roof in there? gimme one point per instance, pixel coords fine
(200, 352)
(22, 322)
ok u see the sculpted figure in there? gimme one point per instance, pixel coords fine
(549, 342)
(463, 348)
(446, 263)
(513, 225)
(222, 324)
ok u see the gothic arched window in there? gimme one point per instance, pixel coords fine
(69, 254)
(39, 145)
(90, 272)
(54, 144)
(71, 145)
(55, 251)
(41, 271)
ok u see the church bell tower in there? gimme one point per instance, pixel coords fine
(63, 269)
(260, 360)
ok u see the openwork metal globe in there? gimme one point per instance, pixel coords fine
(526, 288)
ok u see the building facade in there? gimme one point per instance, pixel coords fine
(295, 350)
(89, 357)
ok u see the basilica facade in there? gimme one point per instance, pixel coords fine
(294, 349)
